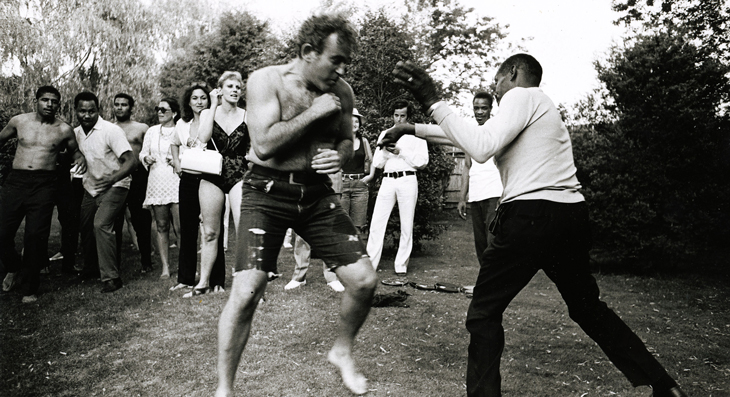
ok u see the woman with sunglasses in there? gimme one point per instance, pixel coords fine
(163, 182)
(223, 128)
(194, 100)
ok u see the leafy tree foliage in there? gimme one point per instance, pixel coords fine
(101, 46)
(240, 42)
(655, 174)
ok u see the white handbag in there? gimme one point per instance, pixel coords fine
(202, 161)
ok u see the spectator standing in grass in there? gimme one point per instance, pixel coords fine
(541, 222)
(301, 131)
(399, 162)
(223, 127)
(110, 162)
(356, 176)
(195, 99)
(481, 184)
(29, 188)
(140, 217)
(163, 185)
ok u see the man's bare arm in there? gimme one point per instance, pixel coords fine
(269, 135)
(10, 131)
(73, 147)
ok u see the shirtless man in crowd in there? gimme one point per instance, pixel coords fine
(300, 121)
(140, 217)
(29, 190)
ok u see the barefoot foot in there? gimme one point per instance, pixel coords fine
(353, 379)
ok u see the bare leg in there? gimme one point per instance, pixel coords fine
(235, 325)
(130, 228)
(359, 280)
(175, 211)
(162, 221)
(235, 204)
(211, 207)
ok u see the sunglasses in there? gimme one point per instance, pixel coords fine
(163, 110)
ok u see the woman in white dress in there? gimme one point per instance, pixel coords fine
(163, 183)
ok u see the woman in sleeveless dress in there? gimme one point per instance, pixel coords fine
(163, 182)
(223, 128)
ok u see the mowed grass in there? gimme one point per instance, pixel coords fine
(147, 341)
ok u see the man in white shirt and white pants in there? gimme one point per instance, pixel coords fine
(399, 162)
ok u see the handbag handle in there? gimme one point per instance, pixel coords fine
(214, 145)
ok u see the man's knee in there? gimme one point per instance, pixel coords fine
(361, 275)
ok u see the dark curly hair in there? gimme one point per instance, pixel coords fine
(187, 111)
(318, 28)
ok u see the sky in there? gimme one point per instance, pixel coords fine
(567, 35)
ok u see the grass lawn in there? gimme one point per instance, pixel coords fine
(147, 341)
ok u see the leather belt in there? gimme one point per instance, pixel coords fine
(352, 177)
(399, 174)
(295, 177)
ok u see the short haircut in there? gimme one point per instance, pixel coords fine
(318, 28)
(400, 104)
(229, 75)
(127, 97)
(483, 95)
(527, 63)
(86, 96)
(47, 89)
(174, 106)
(187, 111)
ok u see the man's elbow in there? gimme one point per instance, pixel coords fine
(480, 158)
(263, 153)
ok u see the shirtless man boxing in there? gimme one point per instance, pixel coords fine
(300, 121)
(29, 190)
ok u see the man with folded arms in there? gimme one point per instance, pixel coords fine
(541, 222)
(399, 161)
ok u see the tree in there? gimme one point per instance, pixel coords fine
(655, 174)
(102, 46)
(239, 42)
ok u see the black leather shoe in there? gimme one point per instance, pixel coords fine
(112, 285)
(673, 392)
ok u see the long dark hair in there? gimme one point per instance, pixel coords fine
(187, 111)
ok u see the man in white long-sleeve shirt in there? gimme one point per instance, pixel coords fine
(399, 161)
(541, 222)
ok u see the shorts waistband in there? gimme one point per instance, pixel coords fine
(294, 178)
(398, 174)
(32, 173)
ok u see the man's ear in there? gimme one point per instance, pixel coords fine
(307, 52)
(513, 73)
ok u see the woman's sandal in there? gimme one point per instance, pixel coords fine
(196, 292)
(180, 286)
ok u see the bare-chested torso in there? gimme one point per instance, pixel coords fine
(39, 142)
(294, 98)
(135, 134)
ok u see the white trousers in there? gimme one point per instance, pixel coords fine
(404, 190)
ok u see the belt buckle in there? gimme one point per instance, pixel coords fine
(291, 180)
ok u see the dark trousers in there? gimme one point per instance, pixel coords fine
(482, 214)
(29, 195)
(189, 205)
(555, 237)
(69, 194)
(141, 218)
